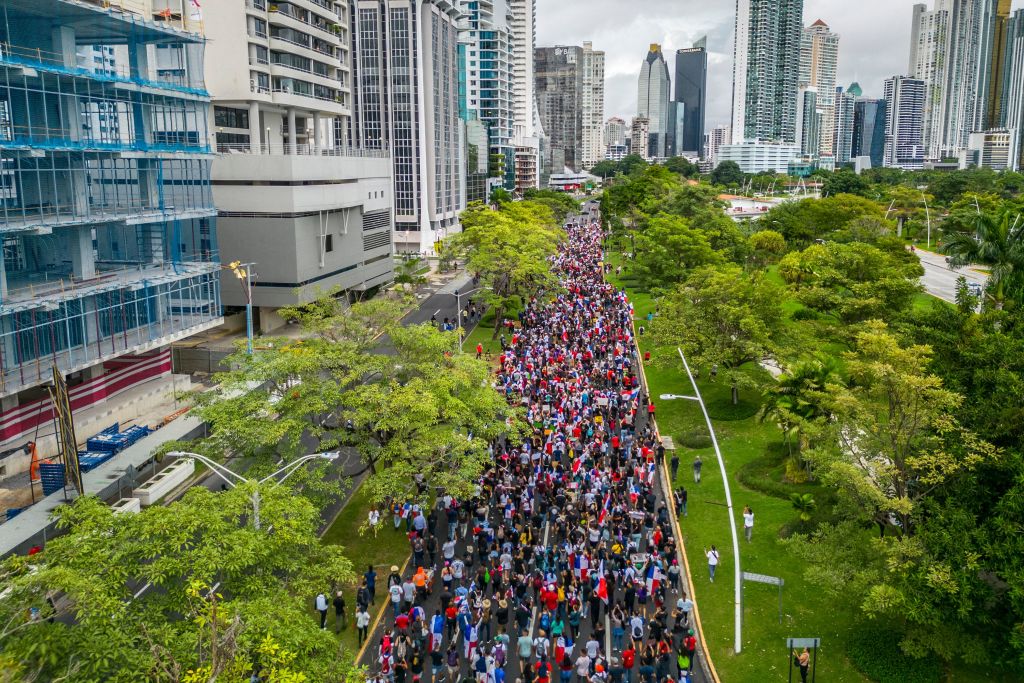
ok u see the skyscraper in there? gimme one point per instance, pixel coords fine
(766, 70)
(569, 83)
(405, 59)
(639, 139)
(819, 58)
(929, 46)
(869, 130)
(525, 131)
(842, 129)
(994, 106)
(1012, 109)
(808, 121)
(559, 86)
(653, 87)
(486, 56)
(969, 56)
(592, 107)
(691, 92)
(904, 132)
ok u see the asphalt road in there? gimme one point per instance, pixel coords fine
(939, 279)
(433, 600)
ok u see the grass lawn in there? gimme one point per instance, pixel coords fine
(388, 548)
(806, 613)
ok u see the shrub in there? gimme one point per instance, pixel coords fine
(695, 439)
(805, 314)
(876, 653)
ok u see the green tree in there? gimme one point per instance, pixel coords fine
(632, 163)
(425, 415)
(218, 591)
(605, 168)
(500, 195)
(898, 437)
(804, 504)
(767, 246)
(727, 174)
(682, 166)
(799, 401)
(721, 316)
(964, 212)
(853, 281)
(669, 248)
(560, 203)
(998, 246)
(408, 274)
(509, 248)
(845, 182)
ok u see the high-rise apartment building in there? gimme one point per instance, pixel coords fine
(929, 45)
(1012, 108)
(615, 131)
(486, 64)
(717, 136)
(1000, 53)
(525, 130)
(904, 130)
(592, 107)
(653, 90)
(691, 77)
(869, 130)
(766, 62)
(842, 128)
(569, 83)
(809, 118)
(109, 241)
(406, 70)
(295, 198)
(819, 59)
(639, 136)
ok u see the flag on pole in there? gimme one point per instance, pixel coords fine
(654, 577)
(604, 508)
(602, 586)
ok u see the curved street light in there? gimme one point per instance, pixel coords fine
(233, 479)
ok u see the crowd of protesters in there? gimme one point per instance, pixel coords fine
(563, 566)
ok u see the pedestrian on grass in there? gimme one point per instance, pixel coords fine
(339, 613)
(697, 465)
(712, 556)
(321, 607)
(748, 522)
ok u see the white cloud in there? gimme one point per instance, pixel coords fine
(874, 43)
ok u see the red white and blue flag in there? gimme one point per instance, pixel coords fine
(605, 508)
(654, 577)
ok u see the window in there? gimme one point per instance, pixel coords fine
(329, 243)
(226, 117)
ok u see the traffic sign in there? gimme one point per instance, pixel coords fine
(763, 578)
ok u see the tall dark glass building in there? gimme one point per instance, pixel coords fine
(869, 130)
(691, 92)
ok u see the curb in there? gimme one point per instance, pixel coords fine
(708, 663)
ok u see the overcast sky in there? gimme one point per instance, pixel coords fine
(874, 40)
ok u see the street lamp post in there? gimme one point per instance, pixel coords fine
(243, 271)
(233, 479)
(738, 587)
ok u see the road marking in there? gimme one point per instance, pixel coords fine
(437, 311)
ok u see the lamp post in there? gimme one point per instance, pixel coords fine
(243, 271)
(233, 479)
(738, 588)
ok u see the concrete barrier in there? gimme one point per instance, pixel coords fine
(132, 505)
(164, 481)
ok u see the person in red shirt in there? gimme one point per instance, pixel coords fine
(479, 350)
(543, 671)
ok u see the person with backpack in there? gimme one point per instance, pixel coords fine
(321, 606)
(690, 647)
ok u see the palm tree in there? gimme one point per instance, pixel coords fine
(997, 244)
(804, 504)
(408, 273)
(798, 397)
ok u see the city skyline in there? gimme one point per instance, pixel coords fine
(875, 42)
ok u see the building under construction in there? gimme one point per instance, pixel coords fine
(106, 209)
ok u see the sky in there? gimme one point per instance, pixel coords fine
(874, 40)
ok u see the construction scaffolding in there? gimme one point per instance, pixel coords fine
(106, 208)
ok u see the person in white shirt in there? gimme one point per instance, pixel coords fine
(374, 519)
(362, 623)
(321, 607)
(712, 561)
(748, 522)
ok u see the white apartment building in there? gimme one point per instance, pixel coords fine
(405, 59)
(615, 131)
(294, 196)
(819, 59)
(525, 127)
(756, 157)
(639, 138)
(716, 137)
(592, 106)
(904, 122)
